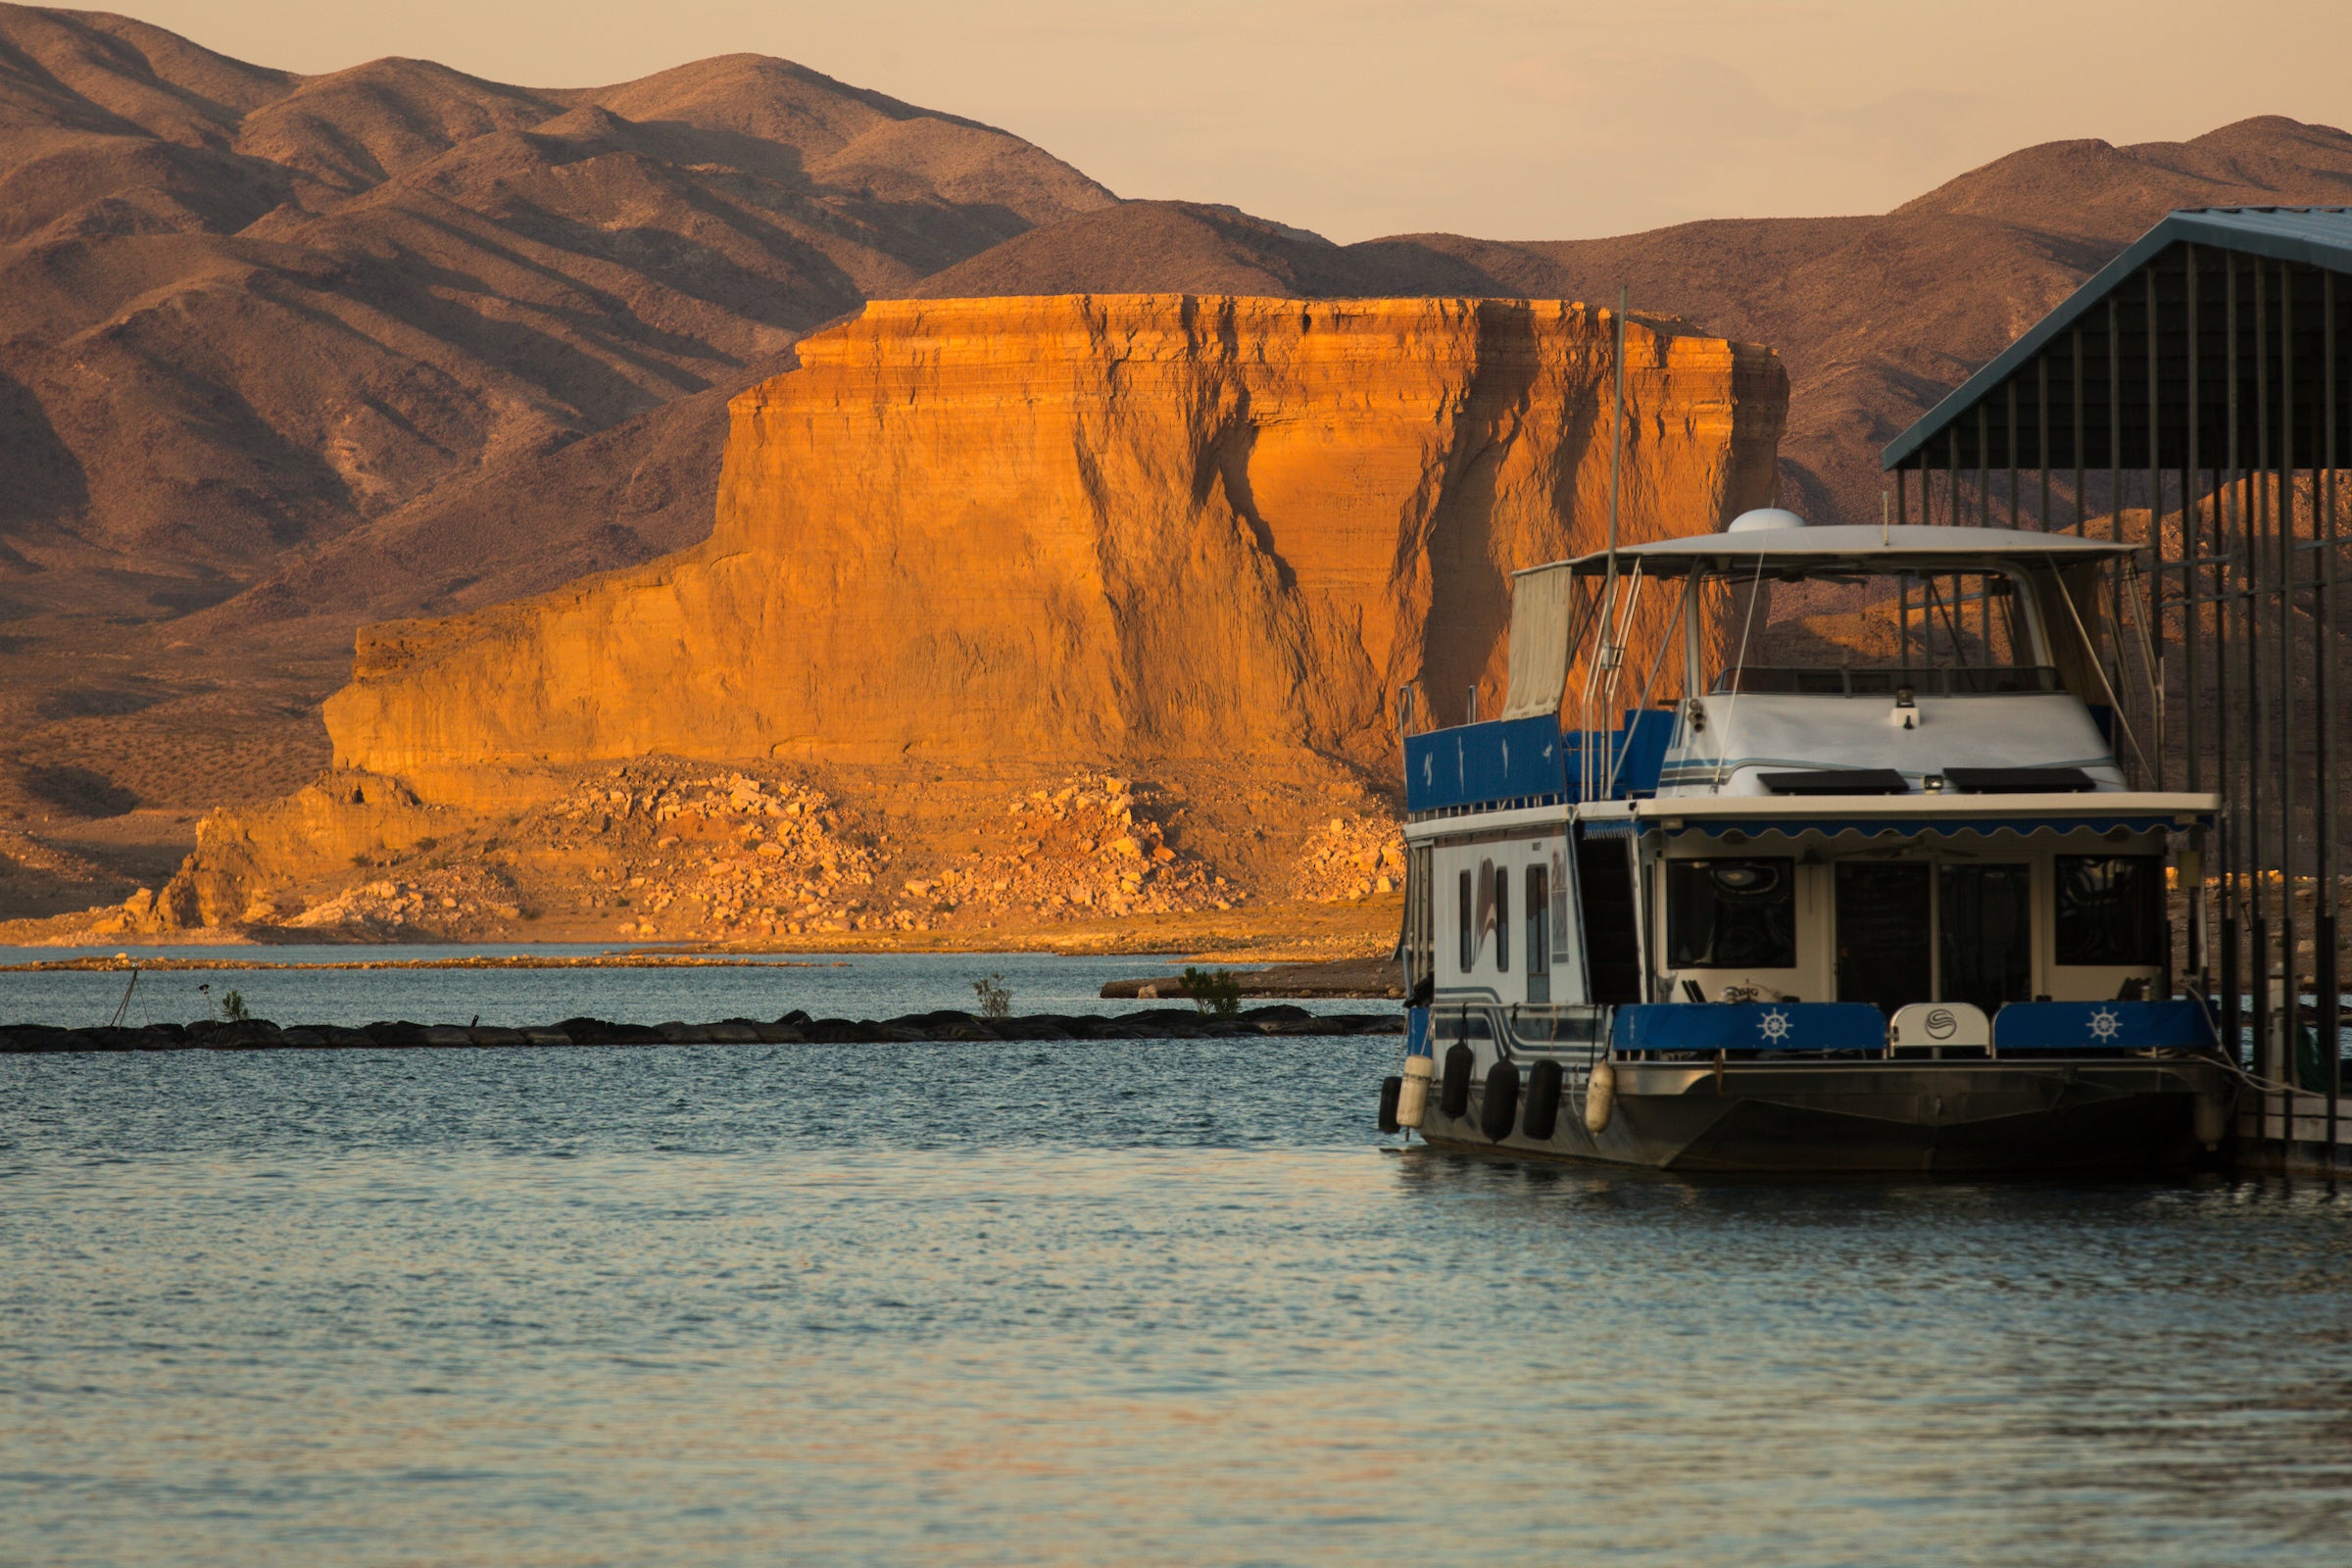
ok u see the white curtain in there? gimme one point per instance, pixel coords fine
(1544, 602)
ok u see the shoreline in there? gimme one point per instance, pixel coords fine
(1294, 932)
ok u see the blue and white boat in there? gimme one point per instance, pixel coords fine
(1856, 880)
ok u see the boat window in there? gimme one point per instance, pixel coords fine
(1538, 933)
(1539, 920)
(1469, 931)
(1420, 917)
(1955, 633)
(1502, 919)
(1732, 914)
(2111, 908)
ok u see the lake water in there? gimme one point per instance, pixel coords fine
(823, 985)
(1091, 1303)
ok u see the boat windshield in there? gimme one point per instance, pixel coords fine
(1948, 634)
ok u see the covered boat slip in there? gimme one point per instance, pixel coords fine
(2048, 756)
(2193, 400)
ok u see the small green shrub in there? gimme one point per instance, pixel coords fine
(232, 1007)
(1212, 991)
(996, 996)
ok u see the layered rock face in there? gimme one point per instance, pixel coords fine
(972, 531)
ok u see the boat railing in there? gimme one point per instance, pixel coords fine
(1960, 680)
(1508, 763)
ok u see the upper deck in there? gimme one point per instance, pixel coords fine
(1897, 665)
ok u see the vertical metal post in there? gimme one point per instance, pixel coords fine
(2156, 568)
(2258, 669)
(2192, 585)
(2080, 515)
(2290, 962)
(2012, 455)
(2327, 897)
(1902, 584)
(1951, 472)
(1984, 468)
(2115, 505)
(1983, 521)
(1927, 617)
(2234, 841)
(2041, 433)
(1609, 652)
(2115, 420)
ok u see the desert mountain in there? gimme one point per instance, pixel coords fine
(245, 314)
(244, 309)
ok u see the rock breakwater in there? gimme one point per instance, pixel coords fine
(794, 1028)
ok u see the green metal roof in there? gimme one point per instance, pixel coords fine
(2316, 237)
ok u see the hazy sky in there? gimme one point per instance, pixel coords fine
(1509, 118)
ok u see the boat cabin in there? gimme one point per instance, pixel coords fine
(1791, 765)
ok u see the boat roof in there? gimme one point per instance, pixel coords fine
(1903, 547)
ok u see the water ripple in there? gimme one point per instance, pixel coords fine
(1109, 1301)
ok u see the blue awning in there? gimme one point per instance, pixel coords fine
(1914, 827)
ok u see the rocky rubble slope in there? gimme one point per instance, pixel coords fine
(665, 849)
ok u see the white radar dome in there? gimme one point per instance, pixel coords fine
(1765, 517)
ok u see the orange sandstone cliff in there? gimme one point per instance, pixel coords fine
(1200, 540)
(1091, 526)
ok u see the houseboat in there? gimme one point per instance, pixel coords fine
(1852, 878)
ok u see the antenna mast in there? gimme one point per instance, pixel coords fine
(1610, 653)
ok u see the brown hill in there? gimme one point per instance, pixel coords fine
(243, 310)
(245, 314)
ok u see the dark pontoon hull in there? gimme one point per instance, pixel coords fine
(1946, 1116)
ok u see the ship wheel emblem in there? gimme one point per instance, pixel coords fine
(2105, 1025)
(1773, 1026)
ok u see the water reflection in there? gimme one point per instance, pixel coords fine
(1107, 1302)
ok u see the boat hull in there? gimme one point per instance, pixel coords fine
(1888, 1116)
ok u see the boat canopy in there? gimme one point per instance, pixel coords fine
(1847, 548)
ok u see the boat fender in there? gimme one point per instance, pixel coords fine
(1453, 1095)
(1392, 1088)
(1413, 1103)
(1501, 1112)
(2211, 1120)
(1542, 1101)
(1601, 1098)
